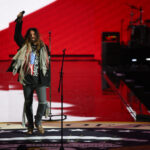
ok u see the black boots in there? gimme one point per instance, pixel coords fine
(38, 117)
(40, 112)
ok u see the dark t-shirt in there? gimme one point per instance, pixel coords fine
(34, 78)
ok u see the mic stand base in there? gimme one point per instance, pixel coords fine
(50, 118)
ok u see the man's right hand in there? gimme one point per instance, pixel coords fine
(20, 16)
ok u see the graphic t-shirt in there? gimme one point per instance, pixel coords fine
(33, 78)
(36, 66)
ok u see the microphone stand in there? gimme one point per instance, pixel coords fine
(61, 89)
(141, 17)
(49, 110)
(63, 117)
(50, 114)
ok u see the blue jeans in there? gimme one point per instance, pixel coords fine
(42, 103)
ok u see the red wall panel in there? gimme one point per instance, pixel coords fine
(76, 24)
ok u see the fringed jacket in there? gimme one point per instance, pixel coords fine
(21, 62)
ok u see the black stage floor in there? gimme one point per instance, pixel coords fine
(76, 138)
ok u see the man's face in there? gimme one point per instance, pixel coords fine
(33, 37)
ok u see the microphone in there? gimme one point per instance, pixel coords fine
(64, 50)
(19, 17)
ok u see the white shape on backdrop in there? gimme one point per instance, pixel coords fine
(11, 107)
(9, 9)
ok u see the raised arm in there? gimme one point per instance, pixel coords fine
(18, 32)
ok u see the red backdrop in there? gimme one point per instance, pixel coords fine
(75, 25)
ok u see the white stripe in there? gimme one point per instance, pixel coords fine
(71, 138)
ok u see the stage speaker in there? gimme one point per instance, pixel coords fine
(110, 48)
(110, 53)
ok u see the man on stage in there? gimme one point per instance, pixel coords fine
(32, 64)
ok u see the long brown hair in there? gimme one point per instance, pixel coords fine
(39, 42)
